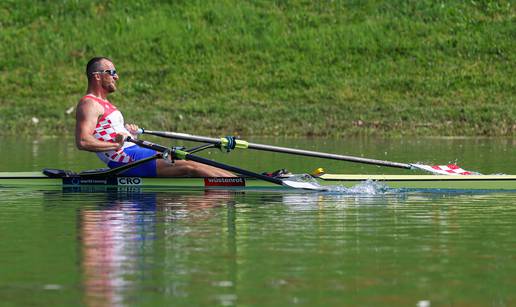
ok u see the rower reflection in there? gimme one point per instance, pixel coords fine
(118, 238)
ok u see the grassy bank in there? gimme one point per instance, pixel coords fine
(266, 67)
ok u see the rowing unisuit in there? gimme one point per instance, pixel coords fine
(108, 126)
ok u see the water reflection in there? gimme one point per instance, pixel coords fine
(118, 233)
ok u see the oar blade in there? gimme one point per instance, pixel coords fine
(303, 181)
(303, 185)
(450, 169)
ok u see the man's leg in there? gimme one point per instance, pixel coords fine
(181, 168)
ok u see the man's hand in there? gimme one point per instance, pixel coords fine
(120, 139)
(133, 130)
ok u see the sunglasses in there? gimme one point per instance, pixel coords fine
(111, 72)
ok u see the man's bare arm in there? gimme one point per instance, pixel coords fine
(88, 113)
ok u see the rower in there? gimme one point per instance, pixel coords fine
(100, 128)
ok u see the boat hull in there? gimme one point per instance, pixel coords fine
(474, 182)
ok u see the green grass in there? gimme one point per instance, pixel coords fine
(266, 67)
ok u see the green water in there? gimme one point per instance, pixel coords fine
(235, 248)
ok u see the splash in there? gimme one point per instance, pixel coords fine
(368, 187)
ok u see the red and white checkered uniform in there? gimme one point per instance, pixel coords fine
(111, 123)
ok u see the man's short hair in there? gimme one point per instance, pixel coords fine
(95, 64)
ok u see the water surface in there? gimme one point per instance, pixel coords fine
(124, 247)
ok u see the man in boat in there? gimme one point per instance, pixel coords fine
(100, 128)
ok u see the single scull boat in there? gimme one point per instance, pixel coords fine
(326, 181)
(449, 177)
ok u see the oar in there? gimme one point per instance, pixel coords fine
(183, 155)
(450, 169)
(244, 144)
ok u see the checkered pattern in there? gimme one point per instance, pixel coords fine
(106, 130)
(450, 169)
(120, 156)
